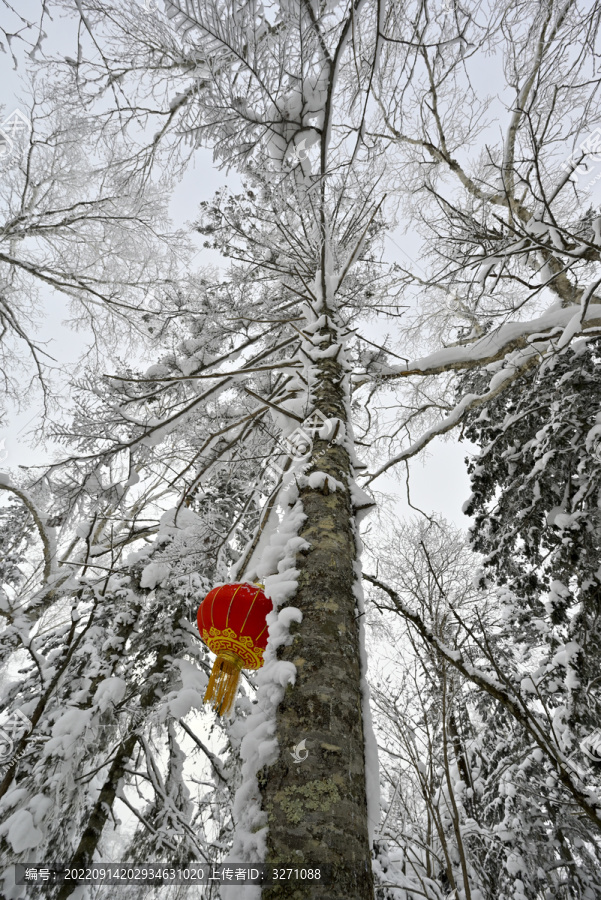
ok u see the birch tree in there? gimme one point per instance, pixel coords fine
(268, 93)
(470, 801)
(303, 102)
(325, 111)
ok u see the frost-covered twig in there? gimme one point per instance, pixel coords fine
(39, 522)
(589, 804)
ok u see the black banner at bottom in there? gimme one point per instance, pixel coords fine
(164, 874)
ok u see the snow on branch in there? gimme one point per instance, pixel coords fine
(38, 518)
(587, 801)
(499, 383)
(497, 344)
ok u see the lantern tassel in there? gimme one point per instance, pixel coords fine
(223, 683)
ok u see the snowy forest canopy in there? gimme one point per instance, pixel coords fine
(403, 246)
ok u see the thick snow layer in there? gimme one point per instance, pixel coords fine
(180, 517)
(158, 371)
(317, 481)
(192, 676)
(259, 745)
(566, 653)
(84, 529)
(110, 692)
(154, 573)
(38, 806)
(190, 696)
(317, 325)
(12, 797)
(572, 328)
(181, 702)
(330, 352)
(363, 503)
(66, 731)
(136, 555)
(20, 831)
(157, 435)
(278, 552)
(498, 340)
(558, 594)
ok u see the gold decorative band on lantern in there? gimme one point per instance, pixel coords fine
(232, 622)
(220, 642)
(223, 683)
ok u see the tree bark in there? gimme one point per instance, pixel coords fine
(317, 809)
(101, 811)
(83, 855)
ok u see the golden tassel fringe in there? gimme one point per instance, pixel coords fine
(223, 683)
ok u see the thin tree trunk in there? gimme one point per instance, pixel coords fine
(455, 817)
(20, 747)
(88, 842)
(317, 813)
(102, 809)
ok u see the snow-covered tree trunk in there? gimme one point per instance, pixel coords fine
(101, 811)
(317, 808)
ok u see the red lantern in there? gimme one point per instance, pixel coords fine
(231, 622)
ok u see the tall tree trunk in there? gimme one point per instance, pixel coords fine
(317, 809)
